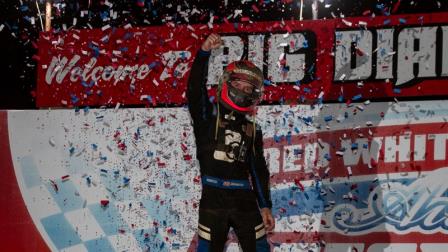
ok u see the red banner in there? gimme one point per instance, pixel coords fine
(339, 59)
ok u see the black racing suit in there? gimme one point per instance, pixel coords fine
(227, 152)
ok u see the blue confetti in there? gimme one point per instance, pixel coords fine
(127, 36)
(305, 44)
(356, 97)
(104, 15)
(126, 180)
(307, 120)
(153, 64)
(277, 139)
(380, 6)
(289, 138)
(24, 8)
(74, 98)
(298, 151)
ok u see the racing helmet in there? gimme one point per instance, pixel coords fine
(235, 99)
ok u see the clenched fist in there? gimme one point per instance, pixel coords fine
(213, 41)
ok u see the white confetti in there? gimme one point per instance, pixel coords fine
(105, 27)
(117, 106)
(349, 170)
(347, 23)
(362, 23)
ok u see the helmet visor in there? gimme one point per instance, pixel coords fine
(241, 97)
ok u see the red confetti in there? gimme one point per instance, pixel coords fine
(255, 8)
(396, 6)
(297, 182)
(365, 13)
(359, 52)
(348, 102)
(197, 179)
(104, 203)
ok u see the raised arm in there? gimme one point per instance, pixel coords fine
(198, 102)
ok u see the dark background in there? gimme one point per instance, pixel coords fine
(18, 36)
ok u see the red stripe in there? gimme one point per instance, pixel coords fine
(332, 237)
(368, 239)
(17, 230)
(338, 168)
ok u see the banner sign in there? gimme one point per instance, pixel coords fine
(364, 177)
(311, 61)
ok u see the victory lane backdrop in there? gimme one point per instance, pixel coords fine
(354, 175)
(367, 181)
(332, 60)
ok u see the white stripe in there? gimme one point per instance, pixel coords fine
(259, 226)
(204, 227)
(204, 235)
(260, 233)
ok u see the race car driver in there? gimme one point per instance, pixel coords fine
(234, 174)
